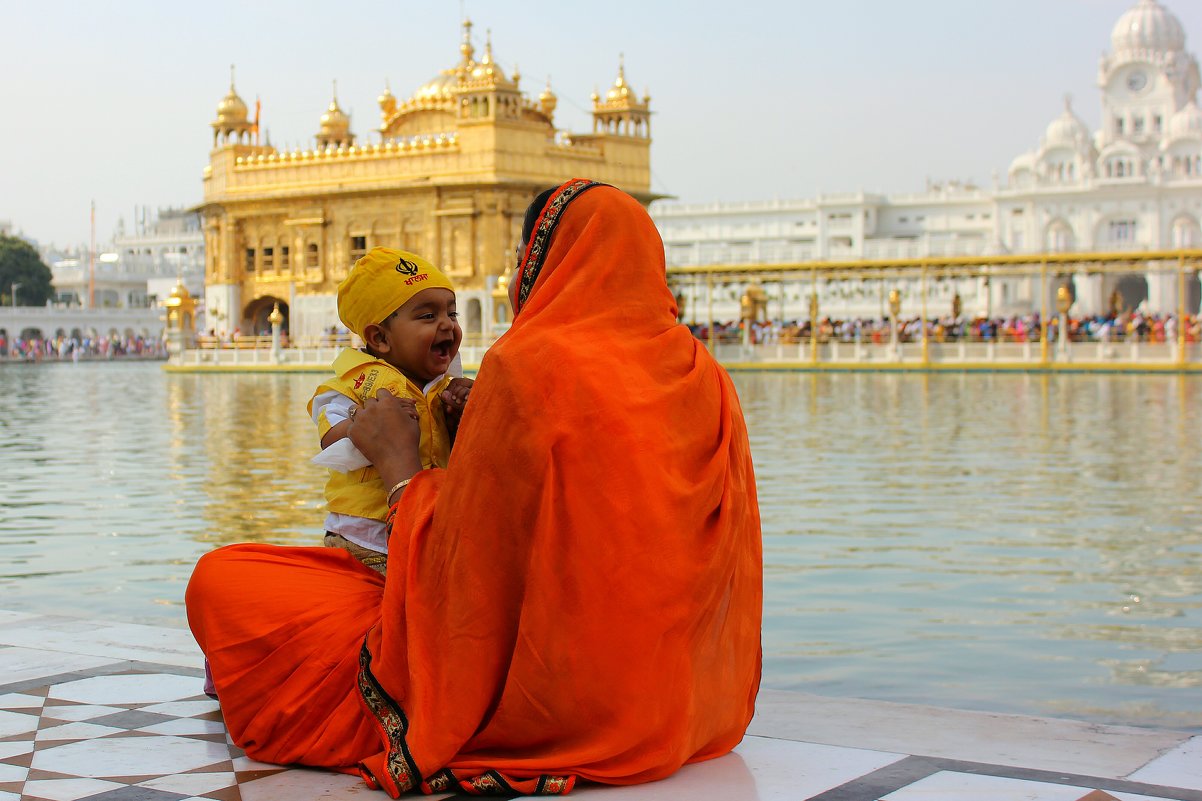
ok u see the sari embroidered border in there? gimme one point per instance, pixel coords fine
(536, 249)
(401, 769)
(398, 762)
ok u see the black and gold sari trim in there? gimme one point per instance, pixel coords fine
(401, 768)
(399, 764)
(536, 248)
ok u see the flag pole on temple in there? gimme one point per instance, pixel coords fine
(258, 108)
(92, 262)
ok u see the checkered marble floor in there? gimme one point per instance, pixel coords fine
(114, 712)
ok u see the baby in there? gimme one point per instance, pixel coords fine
(403, 308)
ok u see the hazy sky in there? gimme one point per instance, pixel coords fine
(751, 99)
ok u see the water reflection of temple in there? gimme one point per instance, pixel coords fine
(449, 176)
(239, 448)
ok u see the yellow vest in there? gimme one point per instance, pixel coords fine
(359, 376)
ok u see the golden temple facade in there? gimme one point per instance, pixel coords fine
(449, 176)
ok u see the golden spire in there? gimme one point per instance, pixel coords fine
(231, 110)
(387, 101)
(620, 90)
(547, 100)
(487, 46)
(465, 49)
(335, 127)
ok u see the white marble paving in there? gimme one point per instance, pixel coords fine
(1015, 740)
(185, 726)
(75, 731)
(15, 748)
(130, 756)
(760, 768)
(22, 664)
(304, 783)
(191, 783)
(14, 723)
(244, 763)
(951, 786)
(14, 797)
(8, 616)
(12, 773)
(134, 688)
(20, 701)
(67, 789)
(115, 641)
(1180, 767)
(184, 709)
(78, 711)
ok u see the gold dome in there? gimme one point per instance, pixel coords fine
(438, 88)
(487, 68)
(179, 298)
(547, 101)
(387, 101)
(335, 128)
(621, 90)
(231, 110)
(334, 120)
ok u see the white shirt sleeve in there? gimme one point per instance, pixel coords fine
(336, 405)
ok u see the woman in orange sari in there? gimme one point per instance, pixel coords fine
(577, 595)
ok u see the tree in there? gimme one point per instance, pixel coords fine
(21, 264)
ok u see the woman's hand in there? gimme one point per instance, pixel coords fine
(385, 430)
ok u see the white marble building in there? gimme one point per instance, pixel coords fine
(138, 269)
(1135, 184)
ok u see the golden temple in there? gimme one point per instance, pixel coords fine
(449, 176)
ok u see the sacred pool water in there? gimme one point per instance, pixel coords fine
(1019, 543)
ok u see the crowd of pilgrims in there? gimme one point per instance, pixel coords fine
(75, 348)
(1133, 327)
(1130, 327)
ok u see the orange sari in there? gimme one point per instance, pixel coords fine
(578, 594)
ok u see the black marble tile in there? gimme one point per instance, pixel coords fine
(131, 719)
(134, 794)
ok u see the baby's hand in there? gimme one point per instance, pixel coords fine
(454, 397)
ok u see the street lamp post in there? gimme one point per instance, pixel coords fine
(1064, 302)
(894, 310)
(276, 318)
(13, 296)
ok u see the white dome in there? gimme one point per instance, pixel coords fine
(1148, 26)
(1066, 130)
(1186, 122)
(1024, 163)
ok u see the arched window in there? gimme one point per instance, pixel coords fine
(1186, 233)
(311, 255)
(1059, 238)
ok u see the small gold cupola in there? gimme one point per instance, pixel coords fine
(621, 112)
(547, 101)
(387, 103)
(335, 130)
(231, 126)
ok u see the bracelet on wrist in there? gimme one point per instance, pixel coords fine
(400, 485)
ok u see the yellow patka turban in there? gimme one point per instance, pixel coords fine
(381, 282)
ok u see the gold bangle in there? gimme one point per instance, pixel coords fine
(400, 485)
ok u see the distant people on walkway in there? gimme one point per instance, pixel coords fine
(1130, 327)
(64, 348)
